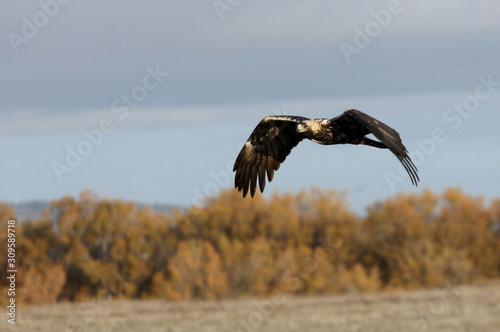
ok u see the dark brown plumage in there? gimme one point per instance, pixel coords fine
(275, 136)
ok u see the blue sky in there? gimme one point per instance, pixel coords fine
(157, 97)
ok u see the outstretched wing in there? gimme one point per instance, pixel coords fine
(358, 124)
(266, 148)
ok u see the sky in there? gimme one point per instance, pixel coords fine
(151, 101)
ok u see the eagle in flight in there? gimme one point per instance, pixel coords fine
(275, 136)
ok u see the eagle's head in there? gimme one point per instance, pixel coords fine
(301, 127)
(312, 125)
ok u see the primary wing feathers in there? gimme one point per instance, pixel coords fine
(266, 148)
(387, 136)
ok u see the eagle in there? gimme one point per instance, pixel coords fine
(275, 136)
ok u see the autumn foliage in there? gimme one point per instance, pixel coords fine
(310, 243)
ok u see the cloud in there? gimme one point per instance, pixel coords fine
(262, 52)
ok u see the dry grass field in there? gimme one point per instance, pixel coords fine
(463, 308)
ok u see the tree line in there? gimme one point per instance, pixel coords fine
(309, 243)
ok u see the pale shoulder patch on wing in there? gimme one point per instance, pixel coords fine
(293, 118)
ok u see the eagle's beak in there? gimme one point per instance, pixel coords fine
(301, 128)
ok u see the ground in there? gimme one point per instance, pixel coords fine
(450, 308)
